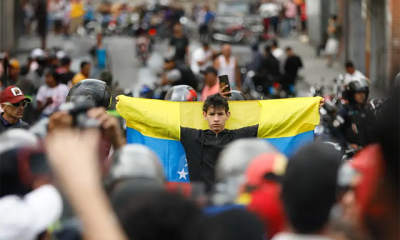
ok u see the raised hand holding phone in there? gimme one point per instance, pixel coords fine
(224, 88)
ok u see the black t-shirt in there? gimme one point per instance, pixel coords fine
(65, 76)
(180, 45)
(292, 65)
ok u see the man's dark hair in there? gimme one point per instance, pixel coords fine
(387, 135)
(65, 61)
(309, 186)
(216, 101)
(267, 49)
(160, 215)
(205, 44)
(334, 17)
(84, 63)
(274, 43)
(349, 64)
(288, 49)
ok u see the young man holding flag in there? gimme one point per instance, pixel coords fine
(182, 123)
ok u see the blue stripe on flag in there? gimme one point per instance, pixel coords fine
(173, 156)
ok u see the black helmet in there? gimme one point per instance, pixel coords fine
(397, 80)
(92, 89)
(358, 86)
(181, 93)
(237, 96)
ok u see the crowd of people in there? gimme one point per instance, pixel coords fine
(68, 173)
(91, 184)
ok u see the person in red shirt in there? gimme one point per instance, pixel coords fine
(303, 17)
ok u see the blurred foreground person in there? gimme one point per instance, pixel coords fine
(13, 103)
(27, 197)
(159, 215)
(308, 191)
(378, 191)
(345, 214)
(231, 167)
(82, 163)
(233, 224)
(262, 188)
(98, 91)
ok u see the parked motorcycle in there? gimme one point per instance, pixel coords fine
(235, 34)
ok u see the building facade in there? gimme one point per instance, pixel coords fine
(371, 34)
(7, 35)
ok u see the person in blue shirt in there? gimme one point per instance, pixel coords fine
(89, 13)
(99, 56)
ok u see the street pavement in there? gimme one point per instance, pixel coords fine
(130, 73)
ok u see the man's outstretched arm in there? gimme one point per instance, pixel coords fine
(151, 117)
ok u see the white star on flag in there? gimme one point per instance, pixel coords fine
(182, 174)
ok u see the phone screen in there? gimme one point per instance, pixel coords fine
(224, 81)
(38, 163)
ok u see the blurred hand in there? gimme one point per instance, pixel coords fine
(110, 124)
(321, 103)
(224, 94)
(60, 120)
(73, 153)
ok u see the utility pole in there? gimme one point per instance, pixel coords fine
(366, 8)
(41, 14)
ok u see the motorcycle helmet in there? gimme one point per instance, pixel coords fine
(181, 93)
(357, 86)
(92, 89)
(232, 164)
(136, 161)
(237, 96)
(397, 80)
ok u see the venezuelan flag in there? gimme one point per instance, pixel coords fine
(286, 123)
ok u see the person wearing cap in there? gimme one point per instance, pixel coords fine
(308, 192)
(14, 70)
(211, 85)
(13, 103)
(83, 74)
(177, 74)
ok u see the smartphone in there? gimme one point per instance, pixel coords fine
(224, 81)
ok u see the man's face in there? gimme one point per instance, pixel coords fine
(177, 29)
(226, 50)
(14, 110)
(86, 70)
(210, 79)
(169, 65)
(216, 118)
(359, 97)
(350, 70)
(14, 72)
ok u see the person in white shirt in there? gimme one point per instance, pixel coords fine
(51, 95)
(26, 218)
(201, 58)
(352, 74)
(226, 64)
(278, 54)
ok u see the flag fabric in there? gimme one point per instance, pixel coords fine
(286, 123)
